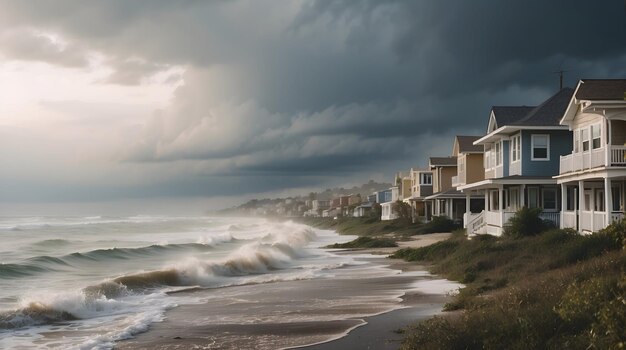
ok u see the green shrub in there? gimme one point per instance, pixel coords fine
(616, 233)
(582, 301)
(438, 224)
(366, 242)
(434, 251)
(526, 222)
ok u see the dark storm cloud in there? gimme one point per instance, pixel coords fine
(342, 87)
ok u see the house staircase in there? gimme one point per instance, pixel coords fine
(476, 223)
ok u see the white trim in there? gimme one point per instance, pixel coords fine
(500, 181)
(532, 147)
(517, 136)
(514, 128)
(571, 103)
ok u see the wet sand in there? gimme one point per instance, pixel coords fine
(369, 305)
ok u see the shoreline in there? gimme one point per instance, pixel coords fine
(376, 319)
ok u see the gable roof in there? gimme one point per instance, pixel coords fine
(442, 161)
(465, 144)
(550, 112)
(507, 115)
(601, 89)
(511, 119)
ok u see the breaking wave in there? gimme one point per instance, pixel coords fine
(272, 252)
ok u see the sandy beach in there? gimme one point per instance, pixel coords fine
(360, 311)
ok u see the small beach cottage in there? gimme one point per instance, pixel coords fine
(390, 197)
(521, 155)
(469, 170)
(421, 187)
(445, 200)
(592, 175)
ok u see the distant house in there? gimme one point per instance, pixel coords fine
(469, 170)
(592, 172)
(522, 149)
(363, 210)
(421, 187)
(446, 200)
(391, 196)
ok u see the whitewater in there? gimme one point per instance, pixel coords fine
(86, 282)
(90, 282)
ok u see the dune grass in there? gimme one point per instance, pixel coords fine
(374, 227)
(366, 242)
(556, 290)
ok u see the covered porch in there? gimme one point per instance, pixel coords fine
(504, 197)
(590, 204)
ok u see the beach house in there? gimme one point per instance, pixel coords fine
(469, 170)
(445, 200)
(391, 196)
(592, 175)
(421, 187)
(522, 148)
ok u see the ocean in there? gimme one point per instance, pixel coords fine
(91, 282)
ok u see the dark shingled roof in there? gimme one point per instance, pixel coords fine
(602, 89)
(550, 112)
(466, 144)
(507, 115)
(442, 161)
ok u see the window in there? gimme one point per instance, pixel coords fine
(515, 148)
(486, 159)
(595, 136)
(533, 197)
(572, 197)
(599, 202)
(617, 198)
(540, 147)
(513, 199)
(549, 198)
(494, 203)
(426, 179)
(584, 136)
(498, 153)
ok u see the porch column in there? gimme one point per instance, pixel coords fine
(501, 205)
(581, 203)
(608, 200)
(563, 202)
(607, 144)
(522, 198)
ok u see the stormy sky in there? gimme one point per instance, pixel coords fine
(201, 104)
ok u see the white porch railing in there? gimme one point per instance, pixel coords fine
(618, 155)
(593, 158)
(493, 218)
(553, 216)
(569, 219)
(475, 222)
(599, 220)
(501, 219)
(506, 216)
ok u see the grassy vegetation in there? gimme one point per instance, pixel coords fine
(366, 242)
(373, 227)
(554, 290)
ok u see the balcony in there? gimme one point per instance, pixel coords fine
(613, 156)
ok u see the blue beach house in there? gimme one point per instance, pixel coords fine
(522, 146)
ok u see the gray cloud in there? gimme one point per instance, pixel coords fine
(332, 88)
